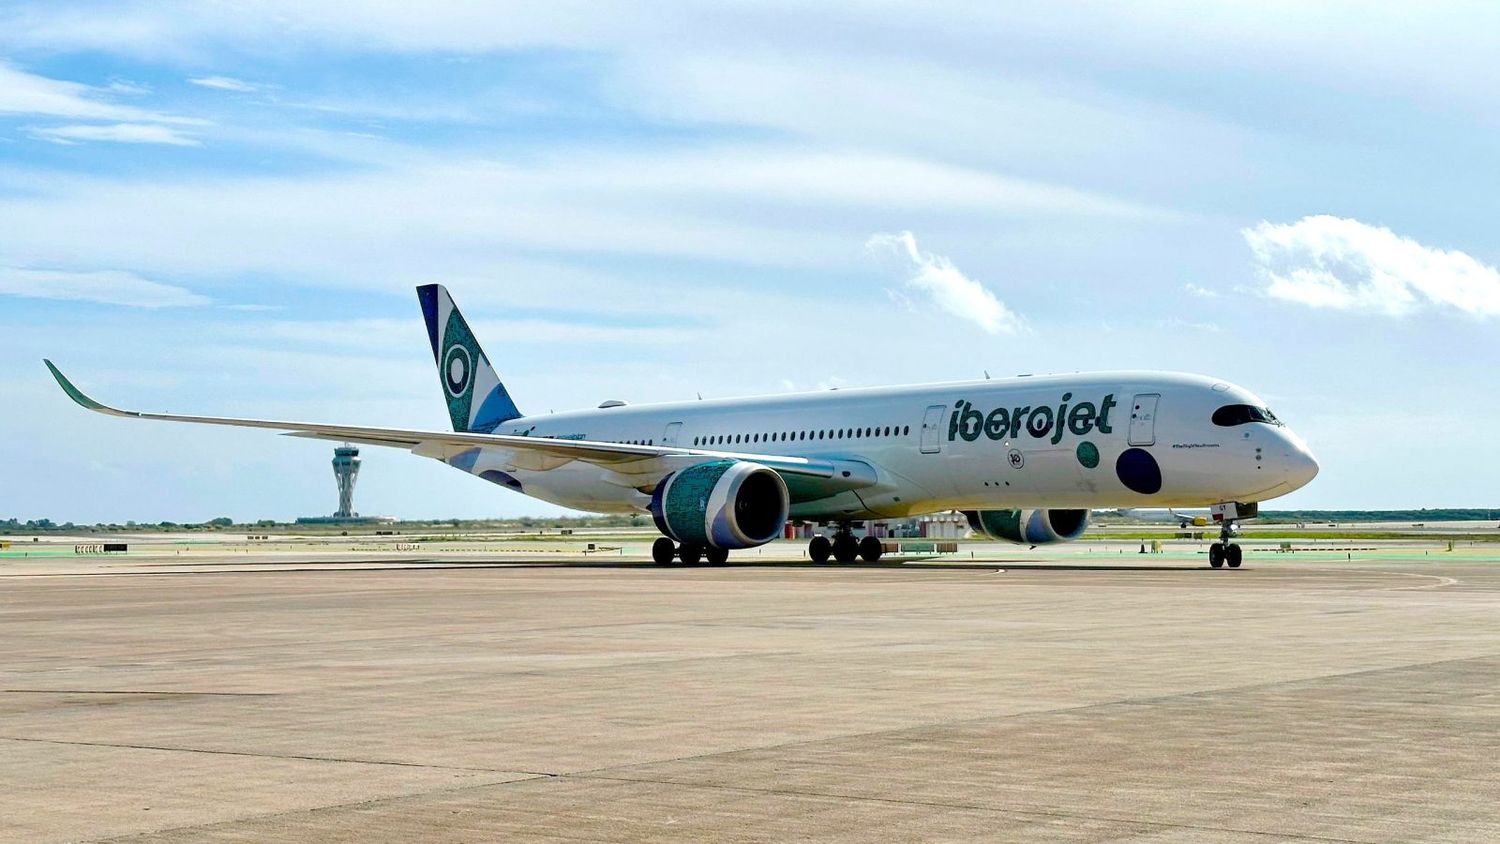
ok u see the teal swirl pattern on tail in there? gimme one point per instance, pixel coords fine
(477, 401)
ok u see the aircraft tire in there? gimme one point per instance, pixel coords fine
(845, 549)
(1233, 556)
(690, 554)
(819, 548)
(662, 551)
(1216, 555)
(716, 556)
(870, 549)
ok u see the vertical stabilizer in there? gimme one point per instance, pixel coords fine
(477, 401)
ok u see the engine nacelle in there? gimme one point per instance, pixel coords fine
(722, 503)
(1029, 527)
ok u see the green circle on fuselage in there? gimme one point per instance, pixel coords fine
(1088, 454)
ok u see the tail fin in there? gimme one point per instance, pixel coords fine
(477, 401)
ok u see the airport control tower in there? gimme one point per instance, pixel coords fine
(346, 472)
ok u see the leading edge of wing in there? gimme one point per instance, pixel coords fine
(585, 450)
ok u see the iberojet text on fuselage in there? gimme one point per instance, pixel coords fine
(970, 423)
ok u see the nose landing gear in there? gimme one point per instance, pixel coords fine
(1224, 552)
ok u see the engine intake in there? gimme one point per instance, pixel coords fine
(721, 503)
(1029, 527)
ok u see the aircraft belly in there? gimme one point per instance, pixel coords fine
(578, 486)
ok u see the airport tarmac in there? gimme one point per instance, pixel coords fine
(1082, 695)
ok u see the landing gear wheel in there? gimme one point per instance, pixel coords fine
(1233, 556)
(1216, 555)
(662, 551)
(845, 549)
(690, 554)
(870, 549)
(716, 556)
(819, 549)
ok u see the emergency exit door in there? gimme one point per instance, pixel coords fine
(1143, 419)
(669, 436)
(932, 429)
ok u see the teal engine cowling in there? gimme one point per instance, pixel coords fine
(721, 504)
(1029, 527)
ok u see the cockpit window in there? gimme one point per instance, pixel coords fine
(1242, 414)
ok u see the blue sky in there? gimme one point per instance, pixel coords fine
(224, 208)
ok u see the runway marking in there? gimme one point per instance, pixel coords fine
(1441, 580)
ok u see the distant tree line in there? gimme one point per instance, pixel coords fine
(1442, 514)
(520, 523)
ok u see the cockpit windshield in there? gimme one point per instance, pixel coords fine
(1243, 414)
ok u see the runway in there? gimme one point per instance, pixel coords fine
(1035, 698)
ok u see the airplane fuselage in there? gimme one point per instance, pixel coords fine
(1092, 440)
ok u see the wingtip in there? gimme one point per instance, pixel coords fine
(73, 392)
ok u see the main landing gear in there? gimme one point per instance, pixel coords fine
(664, 550)
(1224, 551)
(844, 547)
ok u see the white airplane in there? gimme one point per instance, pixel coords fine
(1025, 458)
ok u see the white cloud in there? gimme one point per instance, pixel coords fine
(725, 203)
(1334, 262)
(27, 93)
(937, 278)
(125, 133)
(1200, 292)
(226, 83)
(125, 86)
(109, 287)
(399, 337)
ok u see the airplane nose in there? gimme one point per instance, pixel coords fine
(1298, 464)
(1304, 467)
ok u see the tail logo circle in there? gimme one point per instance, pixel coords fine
(457, 367)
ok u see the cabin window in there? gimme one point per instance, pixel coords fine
(1231, 415)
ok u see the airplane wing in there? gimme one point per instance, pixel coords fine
(634, 464)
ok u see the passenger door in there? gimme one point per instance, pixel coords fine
(669, 437)
(932, 429)
(1143, 419)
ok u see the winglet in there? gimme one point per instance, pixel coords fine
(73, 392)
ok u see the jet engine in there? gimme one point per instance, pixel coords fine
(1029, 527)
(721, 504)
